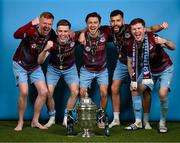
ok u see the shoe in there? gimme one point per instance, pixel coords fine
(114, 123)
(147, 126)
(162, 127)
(65, 121)
(134, 126)
(50, 122)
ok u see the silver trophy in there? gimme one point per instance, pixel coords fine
(86, 116)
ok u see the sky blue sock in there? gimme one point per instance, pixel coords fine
(137, 106)
(163, 109)
(52, 113)
(65, 112)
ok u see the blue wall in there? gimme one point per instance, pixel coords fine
(15, 13)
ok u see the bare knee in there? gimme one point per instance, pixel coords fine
(163, 93)
(23, 93)
(43, 92)
(114, 89)
(74, 93)
(49, 97)
(103, 93)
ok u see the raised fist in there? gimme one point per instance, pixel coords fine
(35, 21)
(48, 45)
(164, 25)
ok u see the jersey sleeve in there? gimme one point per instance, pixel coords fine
(107, 29)
(23, 31)
(129, 48)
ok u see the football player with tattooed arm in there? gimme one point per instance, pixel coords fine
(148, 63)
(61, 63)
(34, 36)
(120, 35)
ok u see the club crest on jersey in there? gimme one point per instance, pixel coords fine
(127, 35)
(33, 46)
(102, 39)
(72, 44)
(87, 48)
(146, 71)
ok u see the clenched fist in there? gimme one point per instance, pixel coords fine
(164, 25)
(35, 21)
(48, 45)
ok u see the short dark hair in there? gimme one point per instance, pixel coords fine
(47, 15)
(116, 12)
(137, 20)
(64, 22)
(93, 14)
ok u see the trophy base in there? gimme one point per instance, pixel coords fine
(86, 133)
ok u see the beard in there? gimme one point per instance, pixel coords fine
(118, 29)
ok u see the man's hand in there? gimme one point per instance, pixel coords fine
(48, 45)
(133, 86)
(164, 25)
(82, 39)
(165, 43)
(72, 34)
(160, 40)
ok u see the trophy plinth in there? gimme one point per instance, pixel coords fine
(86, 116)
